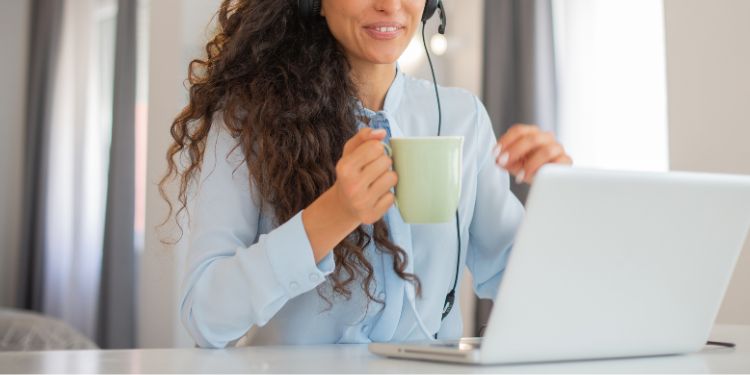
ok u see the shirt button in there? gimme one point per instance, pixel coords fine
(293, 285)
(314, 277)
(381, 296)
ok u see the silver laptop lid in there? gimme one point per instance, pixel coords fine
(612, 264)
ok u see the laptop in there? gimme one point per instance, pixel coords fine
(609, 264)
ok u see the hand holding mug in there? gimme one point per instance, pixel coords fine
(364, 178)
(523, 149)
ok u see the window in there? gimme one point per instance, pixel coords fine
(612, 75)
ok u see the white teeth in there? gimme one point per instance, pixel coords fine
(386, 29)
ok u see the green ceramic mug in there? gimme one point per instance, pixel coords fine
(429, 177)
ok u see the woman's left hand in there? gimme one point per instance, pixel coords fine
(523, 149)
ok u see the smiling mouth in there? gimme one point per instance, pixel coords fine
(384, 32)
(386, 29)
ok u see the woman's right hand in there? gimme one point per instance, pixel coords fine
(364, 177)
(361, 193)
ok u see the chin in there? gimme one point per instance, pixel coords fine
(384, 57)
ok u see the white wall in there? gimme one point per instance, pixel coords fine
(465, 26)
(156, 290)
(708, 74)
(178, 30)
(14, 16)
(461, 65)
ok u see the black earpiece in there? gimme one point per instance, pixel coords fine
(308, 8)
(430, 7)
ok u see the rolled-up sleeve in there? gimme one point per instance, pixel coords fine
(236, 279)
(497, 215)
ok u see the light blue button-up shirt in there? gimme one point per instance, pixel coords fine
(248, 278)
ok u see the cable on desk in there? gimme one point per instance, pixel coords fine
(720, 343)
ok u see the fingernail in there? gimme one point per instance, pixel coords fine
(378, 131)
(503, 159)
(496, 150)
(520, 176)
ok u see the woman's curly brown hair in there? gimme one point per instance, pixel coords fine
(282, 86)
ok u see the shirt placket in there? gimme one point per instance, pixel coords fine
(381, 122)
(376, 120)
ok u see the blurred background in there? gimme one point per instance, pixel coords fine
(92, 86)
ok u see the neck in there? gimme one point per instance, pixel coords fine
(373, 82)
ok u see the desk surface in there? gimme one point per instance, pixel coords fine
(356, 359)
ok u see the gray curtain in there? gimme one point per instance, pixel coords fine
(44, 48)
(519, 66)
(116, 326)
(520, 84)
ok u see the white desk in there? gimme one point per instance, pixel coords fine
(356, 359)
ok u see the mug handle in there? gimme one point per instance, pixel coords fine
(389, 152)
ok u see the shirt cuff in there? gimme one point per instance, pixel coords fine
(327, 264)
(291, 257)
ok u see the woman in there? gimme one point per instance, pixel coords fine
(293, 227)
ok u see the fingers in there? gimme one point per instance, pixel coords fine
(383, 183)
(362, 136)
(514, 133)
(518, 172)
(353, 163)
(385, 202)
(381, 206)
(513, 154)
(365, 154)
(563, 159)
(375, 169)
(364, 176)
(524, 149)
(370, 203)
(539, 157)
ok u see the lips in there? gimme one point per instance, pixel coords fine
(384, 31)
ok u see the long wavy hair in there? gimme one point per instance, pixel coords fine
(282, 86)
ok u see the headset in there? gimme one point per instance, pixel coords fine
(311, 8)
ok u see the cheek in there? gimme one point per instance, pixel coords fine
(336, 27)
(415, 9)
(337, 17)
